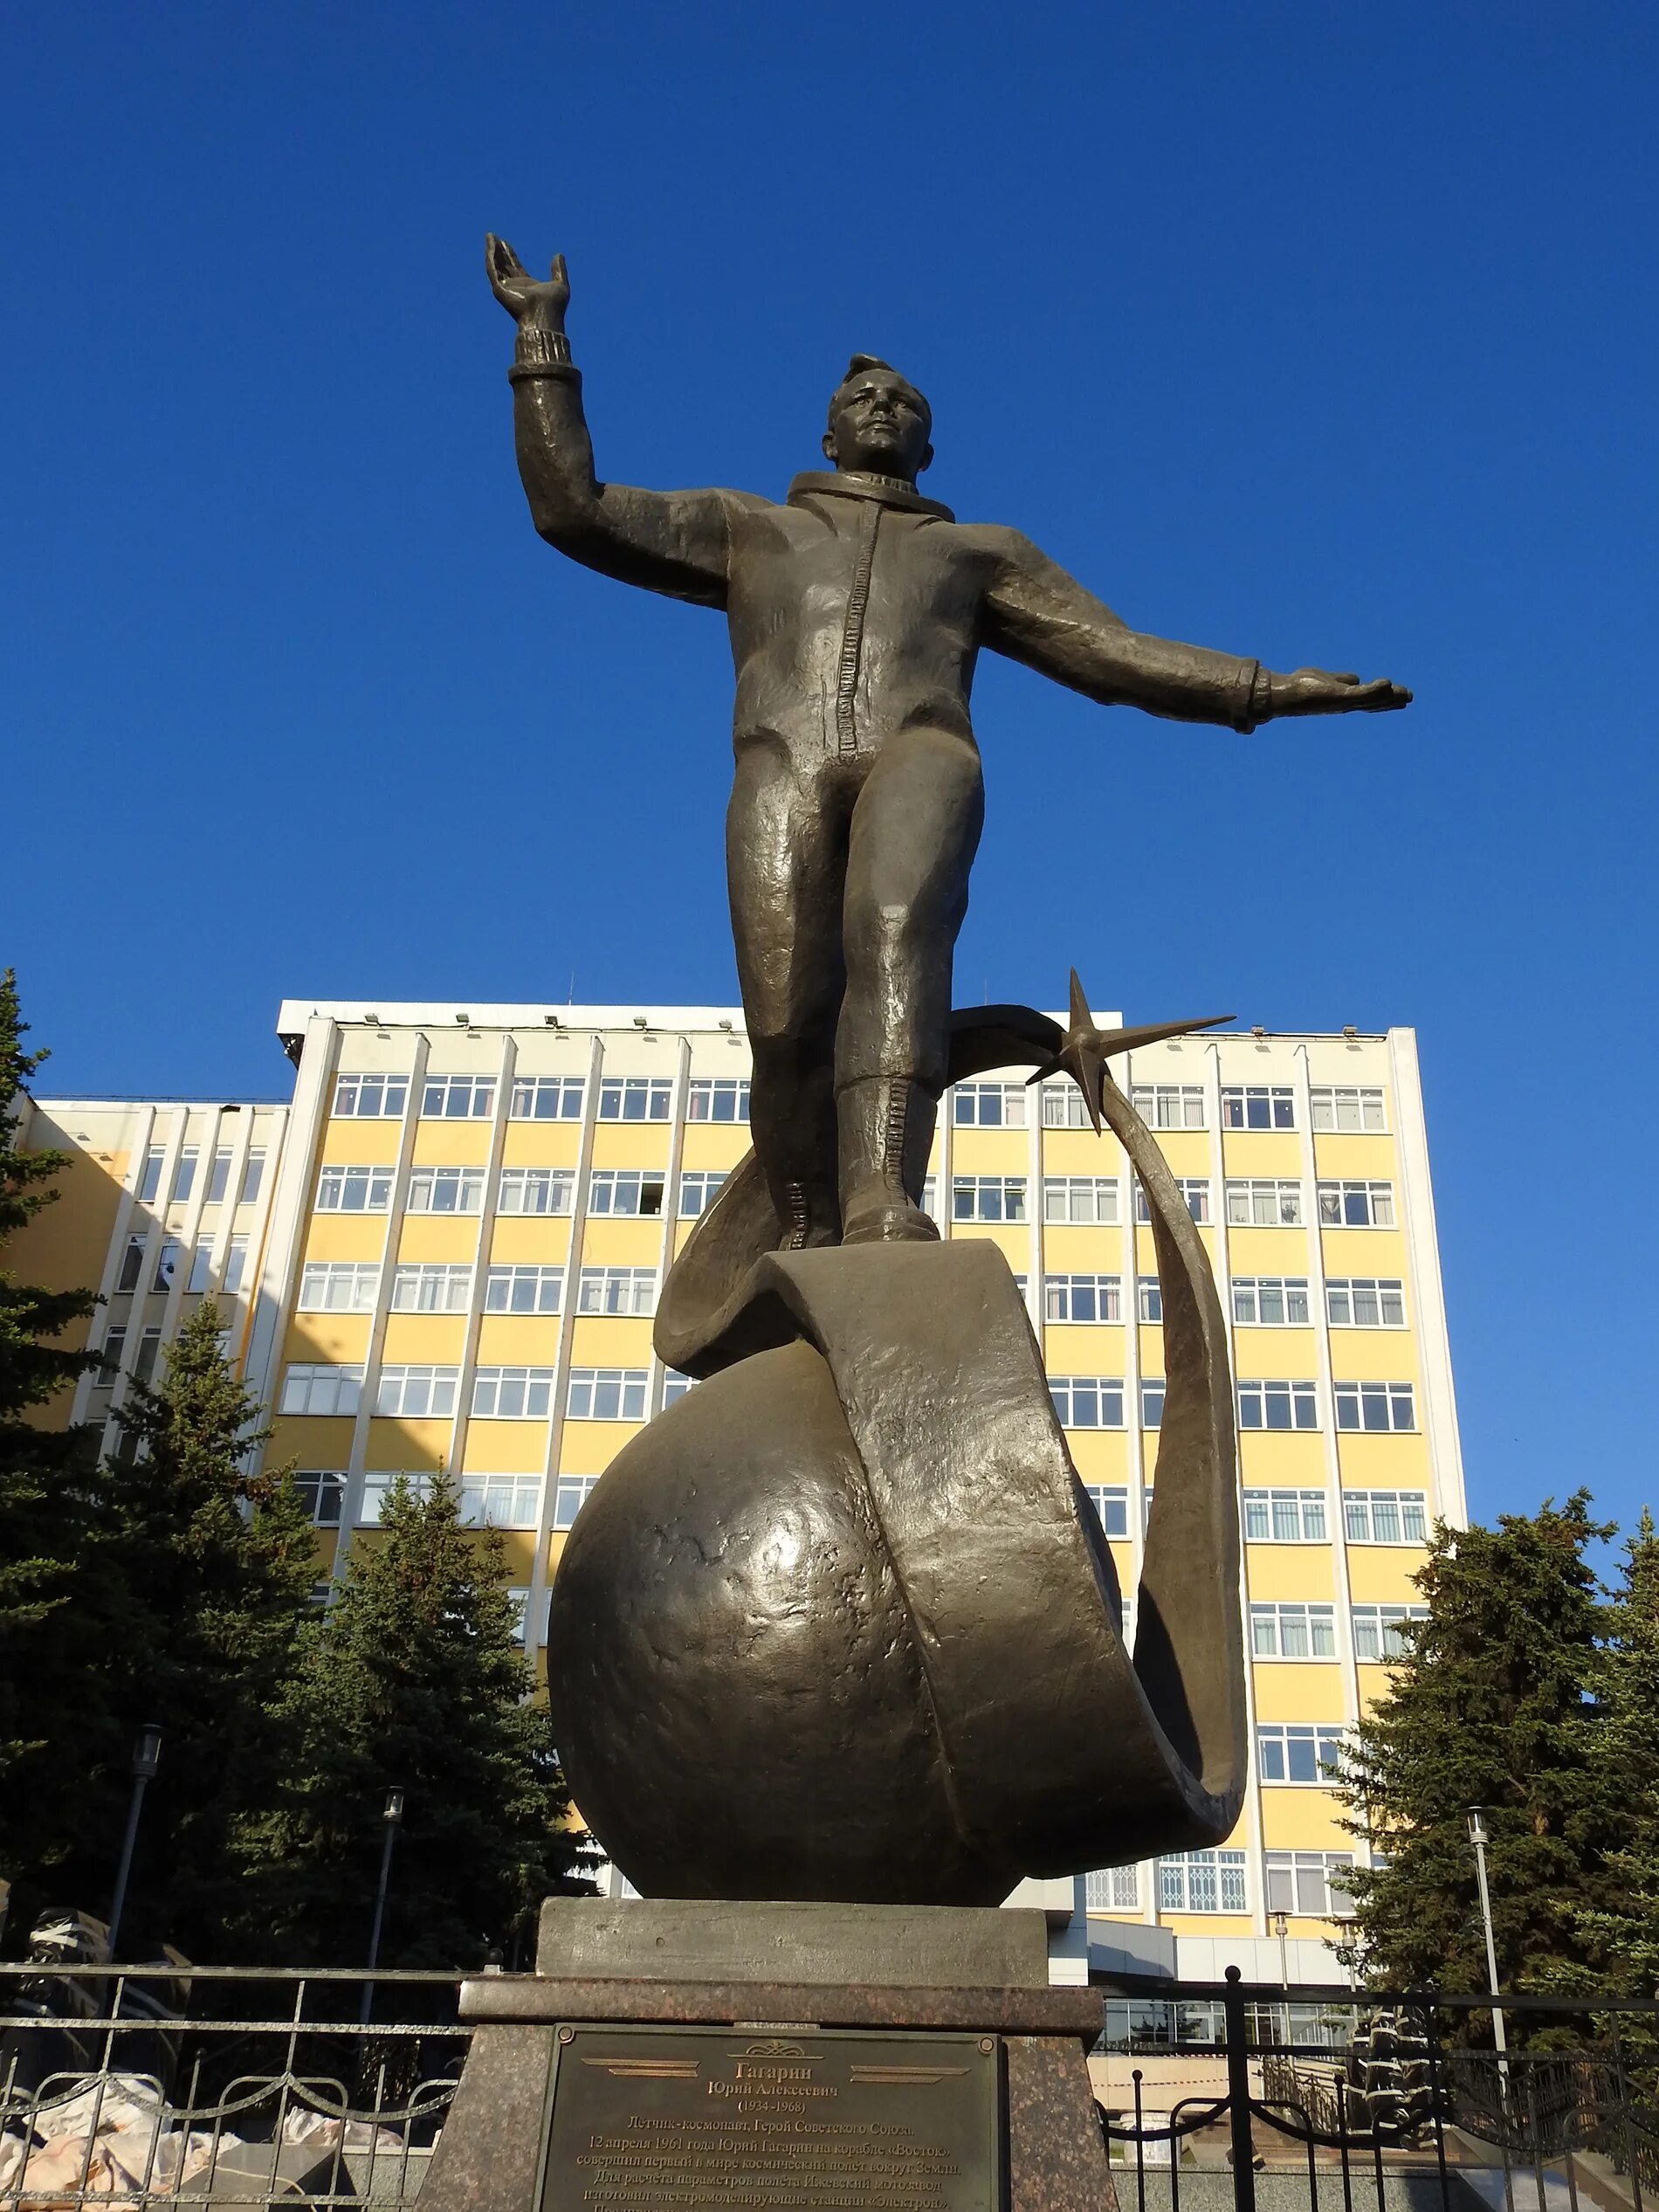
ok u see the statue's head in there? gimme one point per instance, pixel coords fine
(878, 421)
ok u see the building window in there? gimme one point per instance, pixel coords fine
(252, 1178)
(718, 1099)
(698, 1190)
(1083, 1297)
(1149, 1299)
(1380, 1631)
(1080, 1198)
(323, 1496)
(607, 1393)
(617, 1290)
(989, 1106)
(625, 1190)
(1379, 1407)
(1309, 1884)
(458, 1098)
(1385, 1516)
(150, 1346)
(1113, 1889)
(1285, 1516)
(676, 1385)
(219, 1174)
(427, 1286)
(1357, 1205)
(1290, 1751)
(371, 1097)
(110, 1355)
(500, 1501)
(236, 1262)
(417, 1393)
(378, 1485)
(1151, 1402)
(149, 1183)
(1343, 1105)
(1169, 1105)
(184, 1175)
(1293, 1631)
(1203, 1882)
(635, 1097)
(132, 1264)
(988, 1198)
(1194, 1194)
(1087, 1401)
(524, 1289)
(1270, 1301)
(201, 1265)
(321, 1389)
(1263, 1201)
(571, 1495)
(1277, 1405)
(1064, 1107)
(512, 1394)
(1253, 1105)
(445, 1190)
(167, 1263)
(354, 1190)
(548, 1097)
(1364, 1302)
(536, 1191)
(338, 1286)
(1110, 1502)
(519, 1601)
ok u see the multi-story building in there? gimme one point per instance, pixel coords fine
(446, 1250)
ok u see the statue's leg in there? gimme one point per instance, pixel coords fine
(915, 829)
(786, 843)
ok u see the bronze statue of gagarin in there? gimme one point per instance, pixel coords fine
(857, 608)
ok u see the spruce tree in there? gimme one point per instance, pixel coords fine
(206, 1572)
(1491, 1707)
(414, 1680)
(47, 1480)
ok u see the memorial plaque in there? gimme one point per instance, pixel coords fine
(701, 2119)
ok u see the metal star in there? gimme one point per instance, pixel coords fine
(1084, 1050)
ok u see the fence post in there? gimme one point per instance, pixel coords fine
(1238, 2092)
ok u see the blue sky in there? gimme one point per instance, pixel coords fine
(1323, 334)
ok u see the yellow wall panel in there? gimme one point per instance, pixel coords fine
(604, 1341)
(588, 1447)
(541, 1144)
(450, 1237)
(367, 1143)
(1370, 1462)
(1073, 1248)
(310, 1440)
(1290, 1571)
(715, 1144)
(1152, 1348)
(1376, 1682)
(451, 1144)
(507, 1447)
(518, 1552)
(1146, 1251)
(1013, 1241)
(419, 1340)
(64, 1246)
(1282, 1354)
(1079, 1151)
(518, 1339)
(631, 1144)
(346, 1236)
(1099, 1455)
(1384, 1355)
(1380, 1573)
(1079, 1347)
(1293, 1459)
(990, 1151)
(1267, 1251)
(413, 1447)
(1261, 1151)
(624, 1240)
(337, 1338)
(1299, 1689)
(1303, 1819)
(1355, 1156)
(530, 1240)
(1186, 1151)
(1368, 1252)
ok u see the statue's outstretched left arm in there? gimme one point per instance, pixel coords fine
(1035, 613)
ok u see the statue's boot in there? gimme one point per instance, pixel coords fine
(886, 1132)
(808, 1213)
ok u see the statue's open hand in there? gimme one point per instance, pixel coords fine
(1315, 690)
(521, 294)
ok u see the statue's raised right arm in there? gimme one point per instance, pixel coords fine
(674, 542)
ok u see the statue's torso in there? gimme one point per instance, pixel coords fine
(850, 620)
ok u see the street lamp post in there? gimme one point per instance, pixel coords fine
(147, 1756)
(1281, 1929)
(392, 1818)
(1478, 1836)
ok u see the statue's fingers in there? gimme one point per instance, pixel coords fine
(1350, 676)
(560, 274)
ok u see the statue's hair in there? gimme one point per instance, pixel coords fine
(856, 367)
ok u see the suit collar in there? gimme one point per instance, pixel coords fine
(856, 484)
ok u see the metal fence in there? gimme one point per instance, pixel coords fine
(122, 2089)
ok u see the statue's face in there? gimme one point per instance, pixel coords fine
(879, 422)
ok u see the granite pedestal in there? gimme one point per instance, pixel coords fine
(760, 2057)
